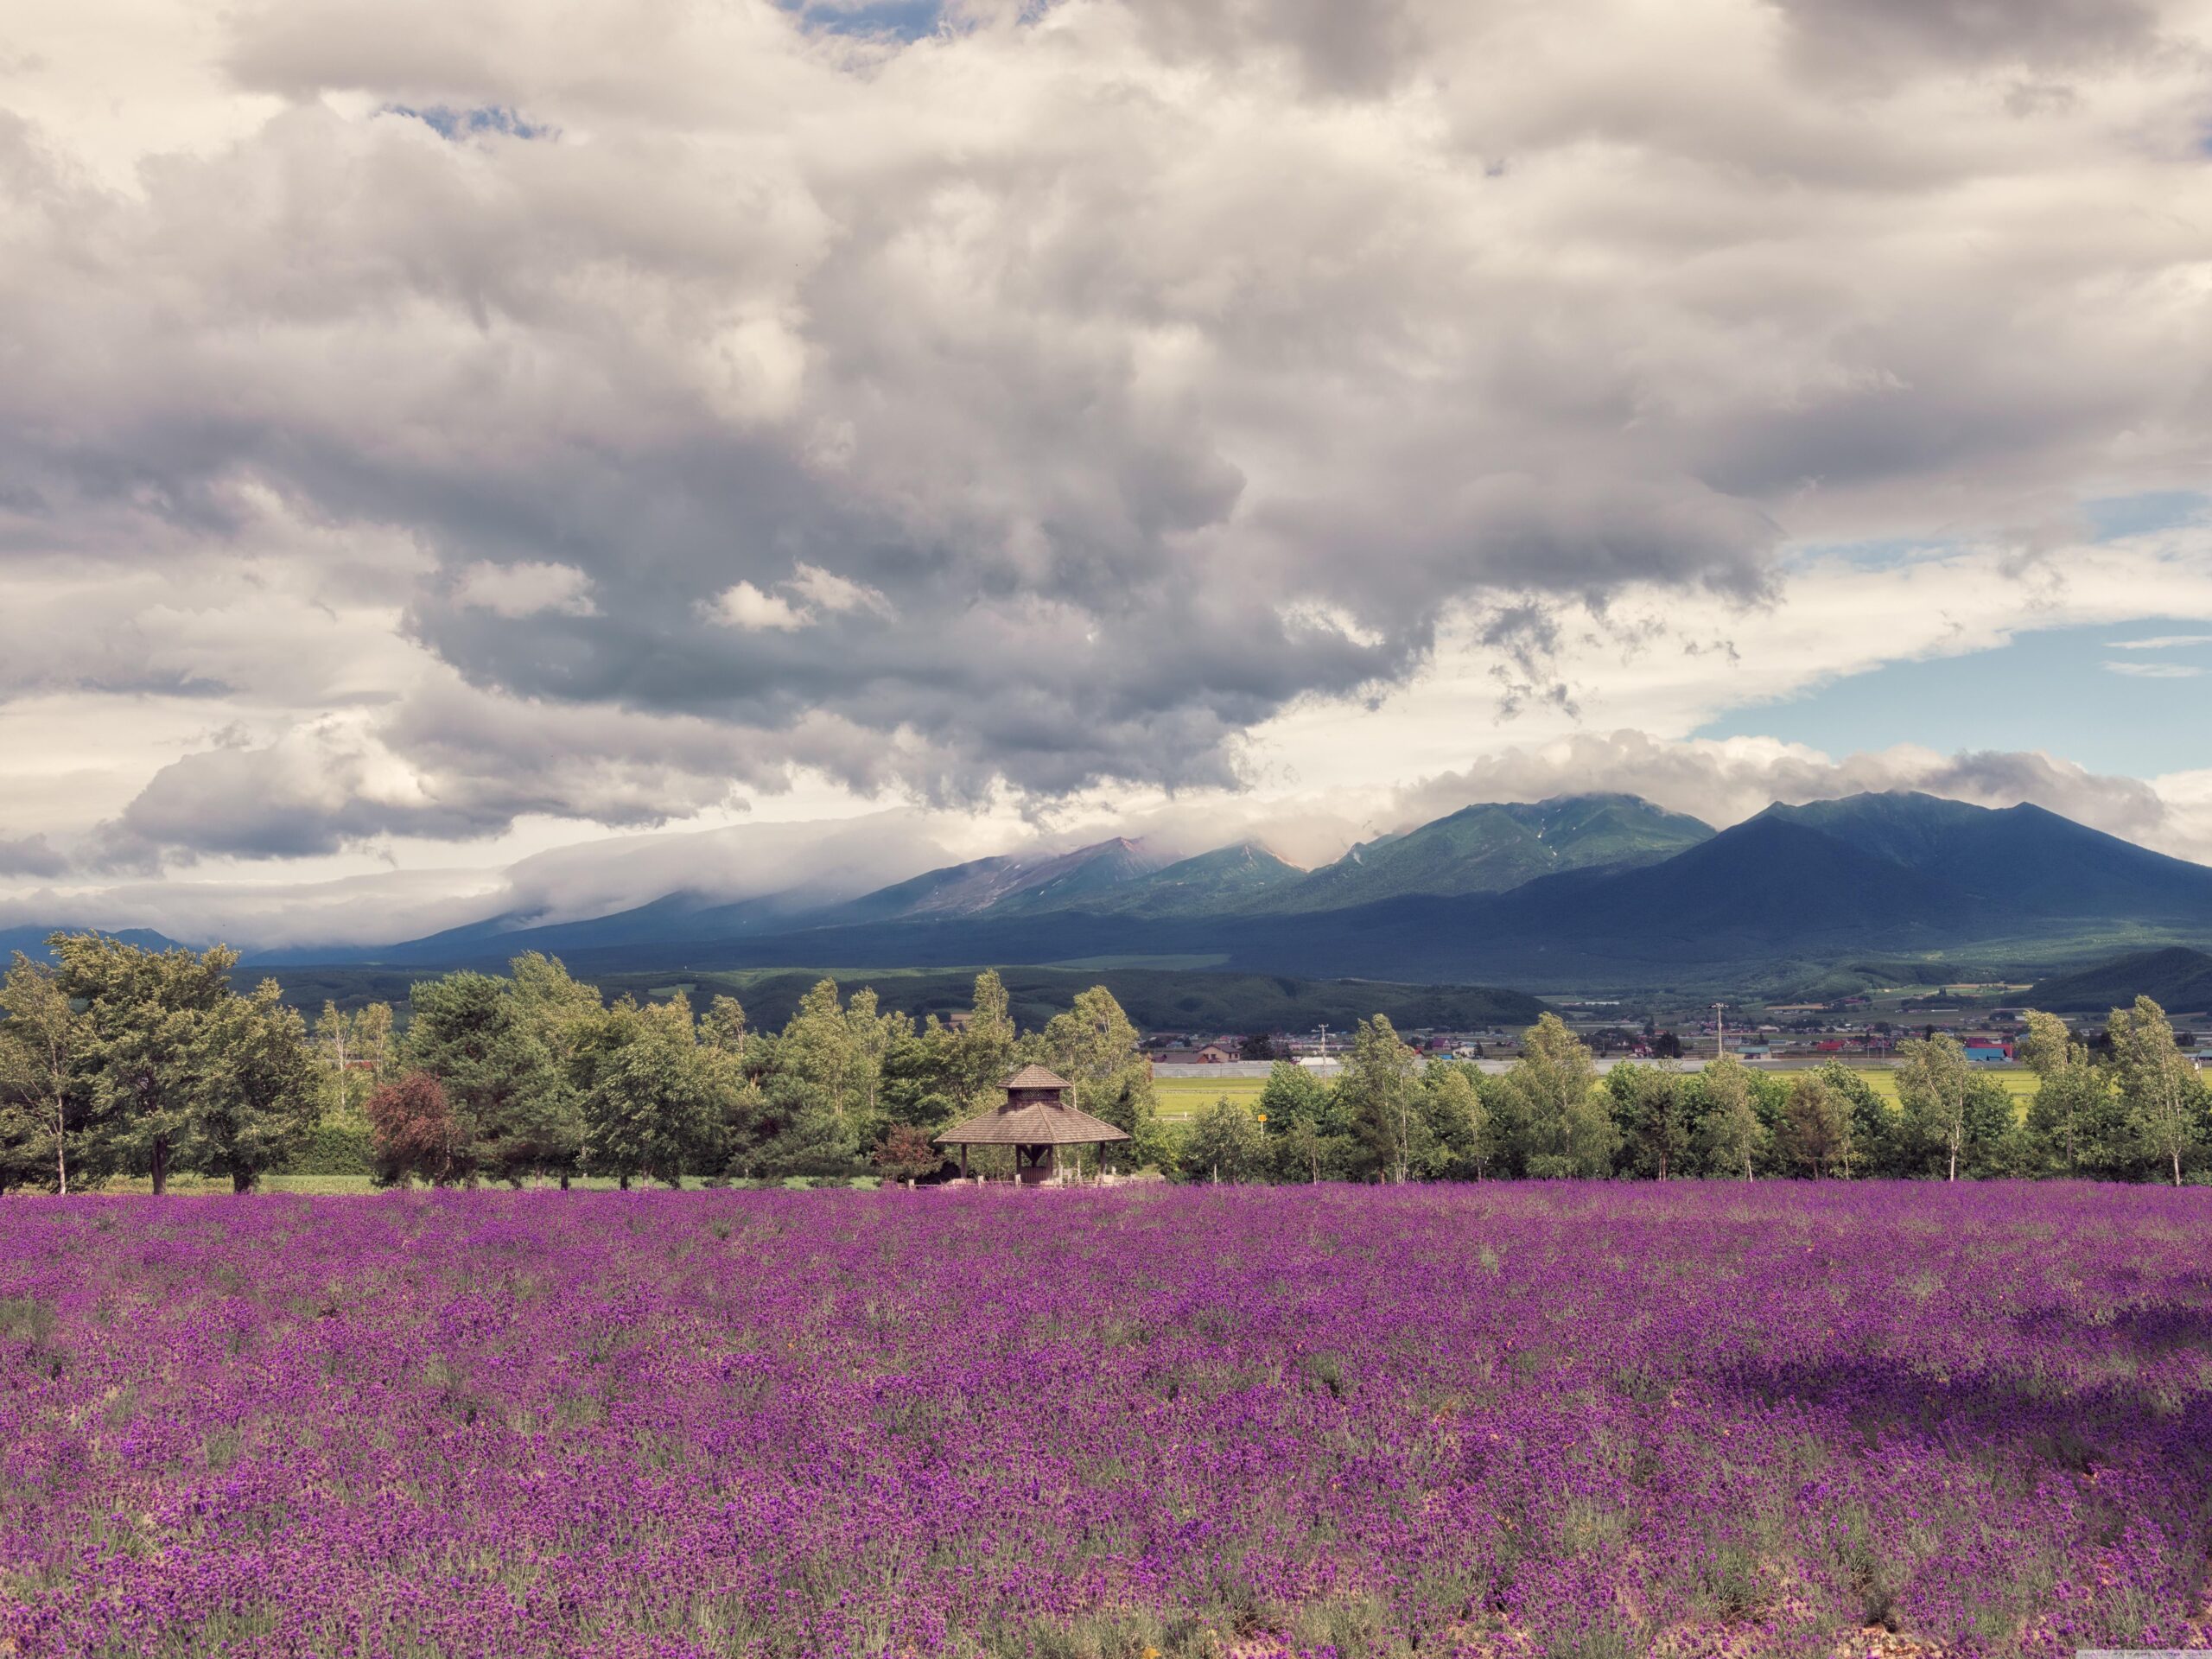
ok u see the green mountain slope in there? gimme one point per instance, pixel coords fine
(1225, 879)
(2179, 979)
(1494, 848)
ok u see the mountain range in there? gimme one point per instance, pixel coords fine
(1579, 892)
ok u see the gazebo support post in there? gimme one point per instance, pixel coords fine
(963, 1160)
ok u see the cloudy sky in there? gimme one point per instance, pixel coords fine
(456, 456)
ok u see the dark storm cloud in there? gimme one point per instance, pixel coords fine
(1355, 47)
(1915, 35)
(31, 855)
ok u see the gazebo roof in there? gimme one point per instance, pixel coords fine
(1033, 1125)
(1033, 1122)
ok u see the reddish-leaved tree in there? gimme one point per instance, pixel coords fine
(906, 1153)
(412, 1132)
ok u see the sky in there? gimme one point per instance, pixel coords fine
(463, 459)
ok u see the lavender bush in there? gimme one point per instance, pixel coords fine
(1566, 1420)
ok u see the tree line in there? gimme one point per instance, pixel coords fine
(120, 1061)
(2135, 1109)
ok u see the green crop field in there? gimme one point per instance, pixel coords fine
(1182, 1097)
(2021, 1085)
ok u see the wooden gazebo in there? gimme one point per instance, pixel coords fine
(1035, 1120)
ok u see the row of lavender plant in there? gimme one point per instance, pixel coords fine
(1554, 1420)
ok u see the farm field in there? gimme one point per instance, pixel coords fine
(2020, 1084)
(1182, 1097)
(1525, 1420)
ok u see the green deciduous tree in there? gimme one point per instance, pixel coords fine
(355, 1050)
(983, 1055)
(354, 1053)
(817, 1050)
(920, 1089)
(658, 1101)
(821, 1084)
(1564, 1126)
(1873, 1149)
(1459, 1142)
(1223, 1143)
(2157, 1085)
(1650, 1119)
(2048, 1046)
(723, 1026)
(1816, 1129)
(1308, 1137)
(41, 1098)
(1095, 1048)
(1380, 1088)
(1935, 1085)
(2073, 1117)
(1731, 1134)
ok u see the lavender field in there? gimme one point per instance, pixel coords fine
(1502, 1420)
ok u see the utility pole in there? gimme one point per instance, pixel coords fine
(1719, 1033)
(1322, 1031)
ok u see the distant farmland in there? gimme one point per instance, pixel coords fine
(1182, 1097)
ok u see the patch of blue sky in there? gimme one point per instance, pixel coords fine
(2110, 519)
(2134, 700)
(449, 122)
(2114, 516)
(902, 20)
(1869, 555)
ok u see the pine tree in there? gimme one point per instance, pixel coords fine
(144, 1011)
(256, 1094)
(514, 1106)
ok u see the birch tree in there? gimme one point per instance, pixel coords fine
(40, 1037)
(2157, 1082)
(1935, 1082)
(1554, 1083)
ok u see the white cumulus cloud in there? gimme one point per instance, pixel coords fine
(528, 589)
